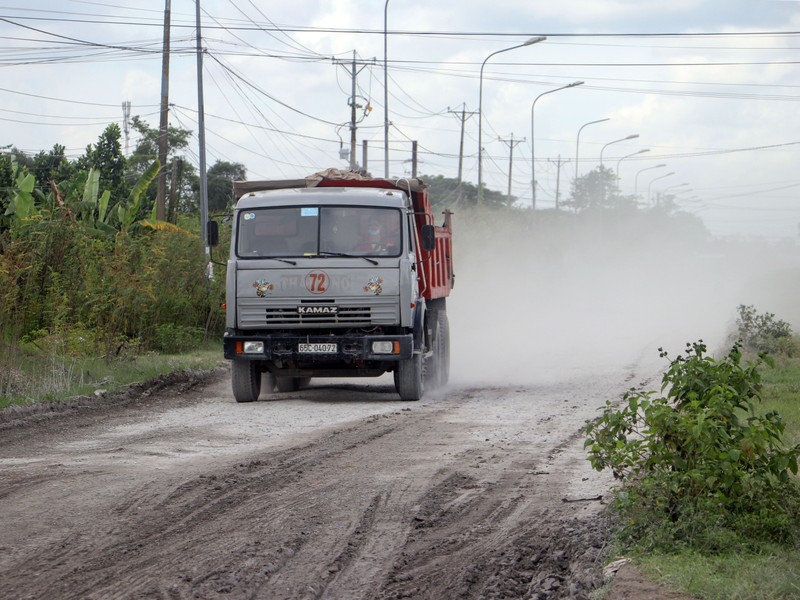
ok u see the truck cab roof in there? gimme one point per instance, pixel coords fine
(320, 196)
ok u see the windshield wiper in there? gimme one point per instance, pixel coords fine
(366, 258)
(286, 260)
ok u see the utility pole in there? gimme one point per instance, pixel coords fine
(201, 137)
(126, 117)
(353, 72)
(511, 143)
(364, 145)
(414, 159)
(558, 164)
(161, 184)
(464, 115)
(177, 170)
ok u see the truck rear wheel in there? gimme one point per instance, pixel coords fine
(444, 349)
(437, 367)
(409, 380)
(246, 380)
(432, 364)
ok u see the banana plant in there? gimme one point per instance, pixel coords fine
(22, 204)
(94, 206)
(128, 211)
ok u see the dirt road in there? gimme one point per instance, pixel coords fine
(335, 491)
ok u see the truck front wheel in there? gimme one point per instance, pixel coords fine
(409, 379)
(246, 380)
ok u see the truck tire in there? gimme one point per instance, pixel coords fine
(444, 349)
(246, 380)
(409, 380)
(286, 384)
(431, 367)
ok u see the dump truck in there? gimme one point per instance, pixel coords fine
(337, 275)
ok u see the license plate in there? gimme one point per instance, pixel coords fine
(326, 348)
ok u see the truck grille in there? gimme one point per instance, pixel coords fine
(351, 315)
(256, 313)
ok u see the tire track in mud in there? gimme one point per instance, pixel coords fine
(190, 516)
(461, 497)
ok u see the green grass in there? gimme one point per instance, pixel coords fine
(30, 375)
(772, 575)
(782, 393)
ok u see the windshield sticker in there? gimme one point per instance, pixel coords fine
(249, 216)
(309, 212)
(263, 287)
(374, 285)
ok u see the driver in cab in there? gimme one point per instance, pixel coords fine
(374, 239)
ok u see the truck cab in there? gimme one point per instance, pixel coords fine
(329, 281)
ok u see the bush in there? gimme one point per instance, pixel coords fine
(174, 339)
(763, 332)
(57, 279)
(699, 465)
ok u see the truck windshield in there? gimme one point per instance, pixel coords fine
(319, 230)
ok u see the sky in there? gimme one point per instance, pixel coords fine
(709, 87)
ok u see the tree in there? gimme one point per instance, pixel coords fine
(107, 158)
(51, 166)
(220, 178)
(146, 152)
(446, 192)
(598, 189)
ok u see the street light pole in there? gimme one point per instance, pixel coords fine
(672, 187)
(385, 93)
(529, 42)
(650, 185)
(578, 141)
(633, 136)
(636, 179)
(533, 158)
(628, 156)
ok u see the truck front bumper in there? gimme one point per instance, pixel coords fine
(318, 349)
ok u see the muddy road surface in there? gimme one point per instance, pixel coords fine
(338, 491)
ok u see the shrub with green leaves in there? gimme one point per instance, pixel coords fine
(699, 464)
(763, 332)
(174, 339)
(68, 275)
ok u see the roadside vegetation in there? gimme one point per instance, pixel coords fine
(95, 292)
(709, 497)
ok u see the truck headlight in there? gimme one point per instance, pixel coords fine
(386, 347)
(254, 347)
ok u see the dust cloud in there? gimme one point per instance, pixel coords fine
(564, 297)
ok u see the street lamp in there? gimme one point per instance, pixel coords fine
(385, 94)
(636, 179)
(578, 141)
(628, 156)
(529, 42)
(632, 136)
(672, 187)
(533, 158)
(654, 180)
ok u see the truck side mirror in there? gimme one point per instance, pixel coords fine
(428, 238)
(212, 231)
